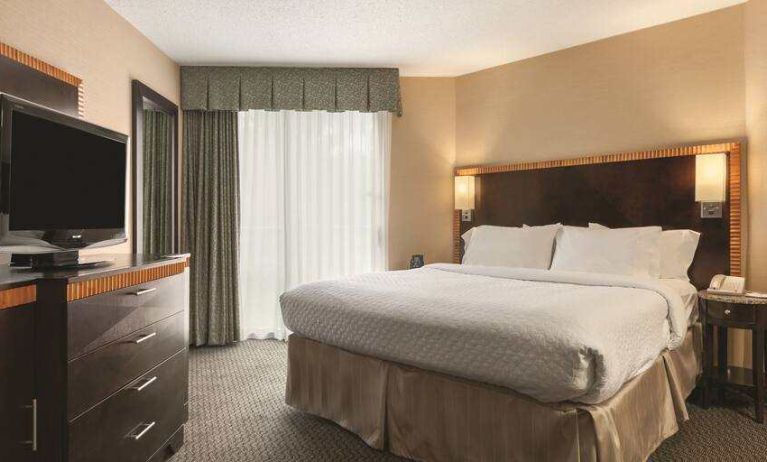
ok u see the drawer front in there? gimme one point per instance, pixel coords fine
(95, 321)
(133, 424)
(731, 313)
(93, 377)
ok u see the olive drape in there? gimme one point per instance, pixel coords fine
(158, 184)
(211, 218)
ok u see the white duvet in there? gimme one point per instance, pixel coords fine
(552, 335)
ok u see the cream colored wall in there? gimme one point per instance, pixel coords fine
(756, 129)
(422, 159)
(88, 39)
(677, 83)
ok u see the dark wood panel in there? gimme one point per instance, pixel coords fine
(97, 375)
(16, 382)
(35, 86)
(100, 319)
(170, 447)
(102, 433)
(658, 191)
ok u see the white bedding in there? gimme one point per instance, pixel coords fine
(552, 335)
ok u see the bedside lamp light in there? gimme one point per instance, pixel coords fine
(464, 196)
(711, 183)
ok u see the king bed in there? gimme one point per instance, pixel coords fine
(563, 340)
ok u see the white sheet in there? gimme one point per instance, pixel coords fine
(689, 295)
(552, 335)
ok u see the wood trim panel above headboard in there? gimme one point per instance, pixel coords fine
(733, 206)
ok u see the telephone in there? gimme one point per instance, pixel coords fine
(721, 284)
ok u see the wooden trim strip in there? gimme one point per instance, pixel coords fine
(17, 296)
(733, 149)
(90, 287)
(600, 159)
(734, 185)
(456, 236)
(39, 65)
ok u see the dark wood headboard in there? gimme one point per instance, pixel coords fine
(616, 190)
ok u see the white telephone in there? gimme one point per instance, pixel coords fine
(721, 284)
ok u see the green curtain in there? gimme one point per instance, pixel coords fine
(212, 222)
(158, 184)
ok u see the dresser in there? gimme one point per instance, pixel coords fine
(97, 361)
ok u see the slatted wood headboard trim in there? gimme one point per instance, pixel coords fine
(733, 149)
(47, 69)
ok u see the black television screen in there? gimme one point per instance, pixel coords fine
(64, 178)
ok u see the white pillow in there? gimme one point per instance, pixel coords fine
(677, 251)
(506, 246)
(467, 235)
(630, 252)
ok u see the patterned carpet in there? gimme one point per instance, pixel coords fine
(237, 414)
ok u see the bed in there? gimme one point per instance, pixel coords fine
(473, 362)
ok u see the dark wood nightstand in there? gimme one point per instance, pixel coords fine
(742, 312)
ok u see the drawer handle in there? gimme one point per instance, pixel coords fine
(144, 291)
(33, 441)
(144, 338)
(727, 312)
(140, 431)
(146, 383)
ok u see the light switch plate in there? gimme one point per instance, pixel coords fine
(711, 210)
(466, 215)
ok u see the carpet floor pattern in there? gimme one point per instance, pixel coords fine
(238, 414)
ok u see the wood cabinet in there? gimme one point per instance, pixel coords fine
(96, 367)
(17, 375)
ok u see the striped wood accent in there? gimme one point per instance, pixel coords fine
(17, 296)
(39, 65)
(81, 101)
(456, 236)
(733, 149)
(88, 288)
(47, 69)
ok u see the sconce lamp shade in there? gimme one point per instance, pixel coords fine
(464, 193)
(711, 177)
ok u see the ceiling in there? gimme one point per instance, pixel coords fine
(421, 37)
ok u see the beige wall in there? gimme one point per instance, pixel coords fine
(676, 83)
(756, 129)
(88, 39)
(422, 158)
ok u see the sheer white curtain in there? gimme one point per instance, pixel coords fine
(314, 200)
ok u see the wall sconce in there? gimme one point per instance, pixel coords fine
(464, 196)
(711, 183)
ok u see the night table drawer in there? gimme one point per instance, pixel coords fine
(97, 375)
(131, 425)
(741, 314)
(100, 319)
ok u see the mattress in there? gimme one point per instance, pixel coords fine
(552, 335)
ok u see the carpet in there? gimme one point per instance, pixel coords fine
(238, 414)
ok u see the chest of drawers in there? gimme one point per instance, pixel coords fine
(109, 353)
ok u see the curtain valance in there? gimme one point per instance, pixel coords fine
(211, 88)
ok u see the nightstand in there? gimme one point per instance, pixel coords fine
(742, 312)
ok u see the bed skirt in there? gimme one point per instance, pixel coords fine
(429, 416)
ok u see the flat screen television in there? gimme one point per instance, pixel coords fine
(62, 180)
